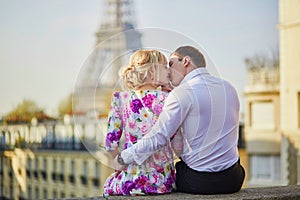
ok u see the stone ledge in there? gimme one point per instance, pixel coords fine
(281, 192)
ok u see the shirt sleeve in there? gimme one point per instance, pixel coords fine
(115, 126)
(168, 122)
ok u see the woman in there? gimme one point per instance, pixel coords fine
(133, 112)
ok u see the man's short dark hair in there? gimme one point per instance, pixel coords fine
(195, 55)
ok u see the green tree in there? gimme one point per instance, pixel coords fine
(262, 60)
(24, 112)
(65, 106)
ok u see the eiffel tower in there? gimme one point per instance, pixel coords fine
(116, 38)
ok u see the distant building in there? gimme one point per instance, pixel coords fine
(51, 160)
(289, 30)
(262, 128)
(272, 119)
(50, 174)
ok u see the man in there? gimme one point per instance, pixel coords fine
(207, 109)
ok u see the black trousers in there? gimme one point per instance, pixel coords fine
(191, 181)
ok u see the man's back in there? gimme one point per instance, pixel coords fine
(210, 108)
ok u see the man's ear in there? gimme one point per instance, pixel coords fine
(186, 61)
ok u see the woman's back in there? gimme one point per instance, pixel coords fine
(133, 113)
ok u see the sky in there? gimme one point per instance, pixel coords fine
(43, 44)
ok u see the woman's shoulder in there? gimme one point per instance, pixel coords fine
(123, 93)
(138, 93)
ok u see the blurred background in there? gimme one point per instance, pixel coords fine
(54, 53)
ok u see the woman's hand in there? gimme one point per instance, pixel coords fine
(167, 88)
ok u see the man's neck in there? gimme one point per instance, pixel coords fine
(190, 68)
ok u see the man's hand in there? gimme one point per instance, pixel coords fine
(113, 153)
(117, 164)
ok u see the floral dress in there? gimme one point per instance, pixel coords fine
(133, 113)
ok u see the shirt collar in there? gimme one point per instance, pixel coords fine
(194, 73)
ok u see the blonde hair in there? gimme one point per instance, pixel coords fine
(141, 63)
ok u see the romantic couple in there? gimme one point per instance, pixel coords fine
(173, 108)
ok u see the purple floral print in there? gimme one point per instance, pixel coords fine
(133, 113)
(136, 105)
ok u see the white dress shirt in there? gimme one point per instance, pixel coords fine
(207, 109)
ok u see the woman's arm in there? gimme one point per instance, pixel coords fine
(177, 143)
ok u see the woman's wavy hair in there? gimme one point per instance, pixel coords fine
(141, 63)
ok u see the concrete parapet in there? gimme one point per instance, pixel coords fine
(269, 193)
